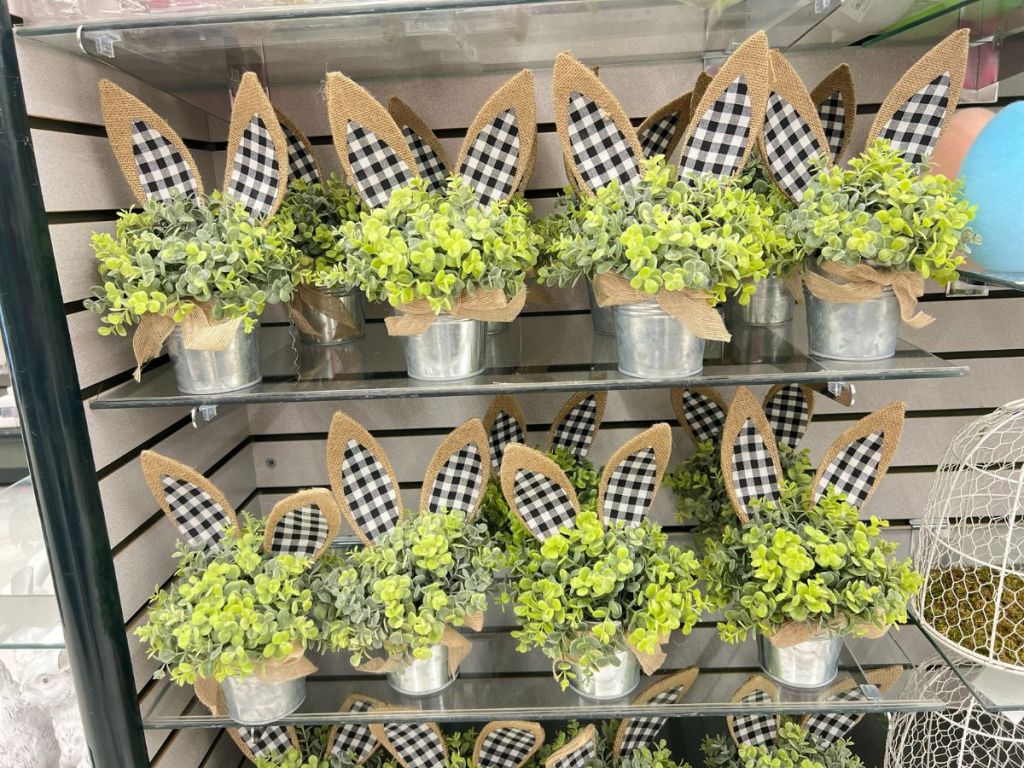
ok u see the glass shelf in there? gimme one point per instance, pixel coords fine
(927, 20)
(979, 274)
(539, 353)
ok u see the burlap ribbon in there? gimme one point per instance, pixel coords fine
(864, 282)
(489, 304)
(793, 632)
(692, 308)
(325, 304)
(292, 667)
(199, 331)
(458, 645)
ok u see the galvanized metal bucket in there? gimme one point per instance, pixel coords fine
(253, 701)
(810, 664)
(612, 681)
(449, 349)
(854, 332)
(654, 345)
(328, 329)
(603, 318)
(423, 677)
(201, 372)
(493, 327)
(770, 304)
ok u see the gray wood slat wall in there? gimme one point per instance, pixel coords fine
(258, 453)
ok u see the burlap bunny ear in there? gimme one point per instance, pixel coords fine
(788, 408)
(727, 120)
(598, 140)
(699, 86)
(859, 458)
(354, 739)
(153, 158)
(372, 149)
(427, 151)
(302, 162)
(578, 753)
(701, 413)
(792, 139)
(256, 173)
(505, 424)
(363, 482)
(264, 741)
(750, 457)
(829, 727)
(754, 730)
(413, 745)
(303, 524)
(538, 491)
(197, 507)
(836, 102)
(507, 743)
(457, 474)
(577, 422)
(916, 111)
(660, 133)
(498, 150)
(635, 732)
(631, 479)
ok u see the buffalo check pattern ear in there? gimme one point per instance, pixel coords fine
(376, 169)
(578, 753)
(835, 101)
(538, 490)
(457, 475)
(788, 410)
(631, 479)
(702, 414)
(750, 457)
(491, 159)
(303, 524)
(832, 114)
(507, 745)
(600, 149)
(255, 174)
(431, 168)
(576, 424)
(790, 147)
(163, 172)
(414, 745)
(354, 739)
(829, 727)
(656, 137)
(641, 731)
(505, 424)
(266, 741)
(719, 142)
(755, 730)
(915, 127)
(302, 165)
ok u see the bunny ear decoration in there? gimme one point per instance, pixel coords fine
(631, 479)
(363, 482)
(754, 730)
(507, 743)
(427, 150)
(859, 458)
(499, 145)
(578, 753)
(303, 524)
(829, 727)
(660, 133)
(355, 739)
(788, 408)
(916, 111)
(302, 162)
(729, 115)
(699, 86)
(457, 474)
(371, 147)
(750, 458)
(577, 422)
(638, 732)
(197, 507)
(153, 158)
(598, 140)
(792, 140)
(538, 491)
(701, 412)
(413, 745)
(264, 741)
(836, 103)
(505, 424)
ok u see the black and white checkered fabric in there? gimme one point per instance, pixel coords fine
(300, 532)
(369, 492)
(542, 503)
(655, 138)
(790, 146)
(200, 519)
(580, 757)
(753, 473)
(427, 162)
(163, 171)
(417, 745)
(506, 748)
(833, 121)
(490, 162)
(788, 412)
(600, 149)
(459, 483)
(914, 128)
(575, 433)
(854, 469)
(505, 430)
(703, 415)
(641, 731)
(266, 741)
(301, 164)
(721, 135)
(255, 174)
(631, 488)
(828, 727)
(355, 738)
(376, 168)
(755, 730)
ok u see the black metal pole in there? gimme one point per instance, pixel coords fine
(53, 421)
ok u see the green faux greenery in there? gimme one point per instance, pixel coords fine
(395, 598)
(230, 610)
(438, 246)
(168, 256)
(820, 565)
(886, 212)
(586, 591)
(793, 748)
(782, 253)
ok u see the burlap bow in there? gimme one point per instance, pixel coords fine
(199, 331)
(692, 308)
(488, 304)
(292, 667)
(458, 645)
(864, 282)
(793, 632)
(324, 303)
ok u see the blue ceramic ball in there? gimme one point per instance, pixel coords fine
(993, 174)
